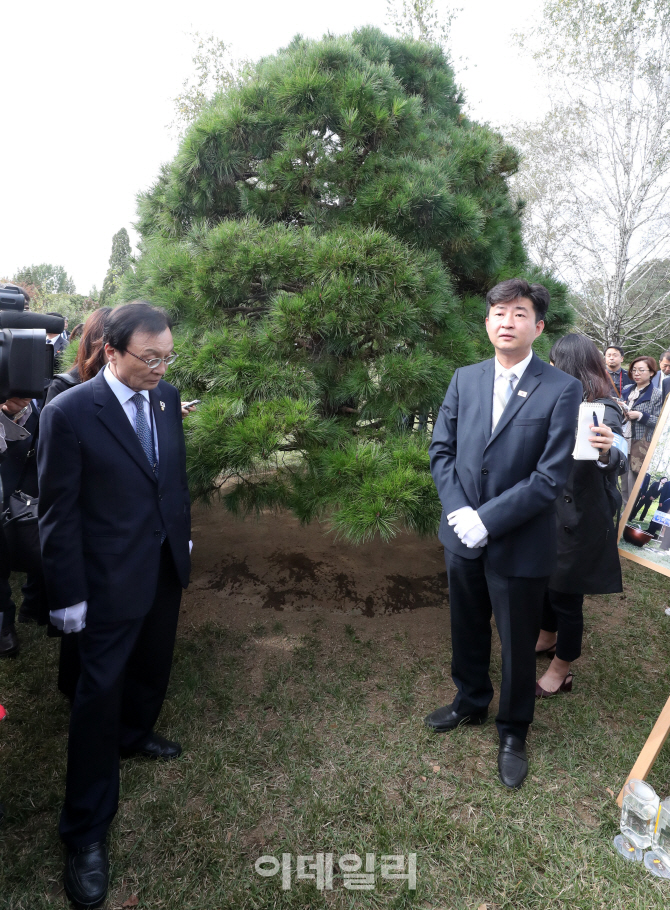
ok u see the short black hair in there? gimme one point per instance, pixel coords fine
(137, 316)
(664, 356)
(616, 348)
(507, 291)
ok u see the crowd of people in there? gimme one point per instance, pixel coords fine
(528, 531)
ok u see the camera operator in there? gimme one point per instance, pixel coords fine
(15, 413)
(26, 365)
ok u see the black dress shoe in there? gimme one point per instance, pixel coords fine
(9, 642)
(154, 746)
(87, 875)
(444, 719)
(512, 761)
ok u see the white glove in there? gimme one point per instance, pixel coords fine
(190, 547)
(469, 528)
(70, 619)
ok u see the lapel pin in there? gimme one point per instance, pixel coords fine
(162, 404)
(521, 393)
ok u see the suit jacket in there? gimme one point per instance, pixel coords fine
(665, 387)
(649, 404)
(513, 476)
(101, 510)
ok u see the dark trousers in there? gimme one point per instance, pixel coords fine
(562, 613)
(7, 607)
(125, 669)
(33, 589)
(639, 503)
(475, 592)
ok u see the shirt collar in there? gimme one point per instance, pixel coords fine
(120, 389)
(518, 369)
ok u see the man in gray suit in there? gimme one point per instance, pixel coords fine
(500, 456)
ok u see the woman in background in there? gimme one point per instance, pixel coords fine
(643, 407)
(90, 355)
(588, 560)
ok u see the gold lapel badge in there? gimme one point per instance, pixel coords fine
(162, 404)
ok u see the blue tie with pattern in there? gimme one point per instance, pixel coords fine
(143, 430)
(146, 438)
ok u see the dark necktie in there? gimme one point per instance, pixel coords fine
(143, 430)
(146, 438)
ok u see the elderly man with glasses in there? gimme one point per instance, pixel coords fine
(115, 535)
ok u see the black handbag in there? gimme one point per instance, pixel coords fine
(19, 522)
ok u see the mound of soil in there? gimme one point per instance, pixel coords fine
(244, 571)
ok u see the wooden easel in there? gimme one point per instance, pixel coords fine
(654, 744)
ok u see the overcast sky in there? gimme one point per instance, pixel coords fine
(86, 95)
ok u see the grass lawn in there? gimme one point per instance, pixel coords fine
(318, 746)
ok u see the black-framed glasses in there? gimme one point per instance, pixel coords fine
(155, 361)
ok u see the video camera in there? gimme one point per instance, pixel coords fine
(26, 360)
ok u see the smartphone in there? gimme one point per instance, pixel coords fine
(191, 404)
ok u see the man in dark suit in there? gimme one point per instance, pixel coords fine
(664, 369)
(648, 493)
(500, 456)
(115, 531)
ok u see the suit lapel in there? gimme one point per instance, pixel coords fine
(528, 383)
(161, 421)
(114, 418)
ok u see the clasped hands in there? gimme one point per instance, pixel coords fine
(468, 526)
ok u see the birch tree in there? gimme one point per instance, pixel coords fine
(596, 171)
(423, 20)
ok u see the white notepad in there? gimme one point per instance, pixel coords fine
(583, 450)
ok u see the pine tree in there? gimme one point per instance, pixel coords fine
(120, 262)
(325, 237)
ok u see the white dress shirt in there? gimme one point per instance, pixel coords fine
(502, 379)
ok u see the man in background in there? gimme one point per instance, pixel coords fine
(56, 340)
(613, 360)
(115, 531)
(664, 372)
(500, 457)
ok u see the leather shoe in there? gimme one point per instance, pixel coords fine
(442, 720)
(9, 642)
(87, 875)
(154, 746)
(512, 761)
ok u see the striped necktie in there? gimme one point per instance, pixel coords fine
(503, 393)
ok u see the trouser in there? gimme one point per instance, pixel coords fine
(476, 591)
(125, 669)
(7, 607)
(562, 613)
(33, 589)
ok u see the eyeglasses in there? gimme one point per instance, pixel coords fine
(155, 361)
(640, 370)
